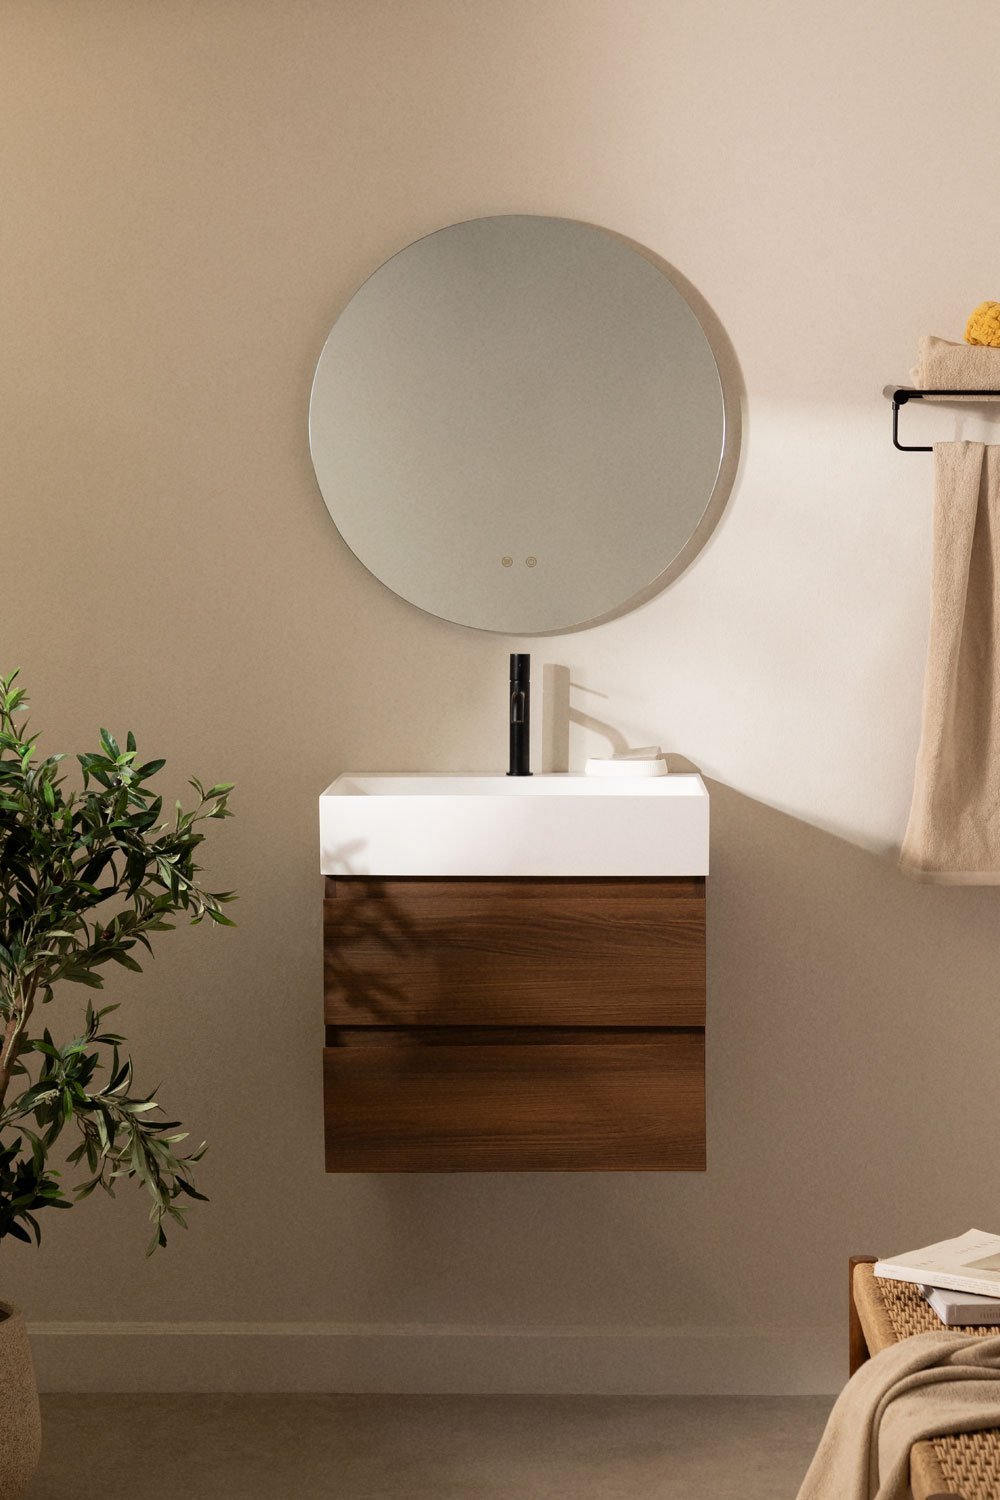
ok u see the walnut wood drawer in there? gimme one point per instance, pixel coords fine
(515, 952)
(477, 1100)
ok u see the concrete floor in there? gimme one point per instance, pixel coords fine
(426, 1447)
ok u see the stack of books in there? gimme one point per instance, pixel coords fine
(960, 1278)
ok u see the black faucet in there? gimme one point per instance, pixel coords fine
(520, 714)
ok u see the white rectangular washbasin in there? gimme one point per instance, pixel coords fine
(466, 825)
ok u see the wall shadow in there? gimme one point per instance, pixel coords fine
(363, 928)
(852, 1054)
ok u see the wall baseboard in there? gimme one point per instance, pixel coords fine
(422, 1360)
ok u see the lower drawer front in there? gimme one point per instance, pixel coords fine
(457, 1101)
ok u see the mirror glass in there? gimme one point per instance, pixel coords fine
(517, 423)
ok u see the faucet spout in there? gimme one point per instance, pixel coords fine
(520, 714)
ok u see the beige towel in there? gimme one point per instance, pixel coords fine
(944, 366)
(919, 1388)
(953, 836)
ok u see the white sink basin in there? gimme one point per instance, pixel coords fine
(451, 825)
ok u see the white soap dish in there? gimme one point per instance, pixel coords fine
(621, 766)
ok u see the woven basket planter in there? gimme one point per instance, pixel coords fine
(20, 1418)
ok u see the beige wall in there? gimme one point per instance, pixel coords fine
(190, 193)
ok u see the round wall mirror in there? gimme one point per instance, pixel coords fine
(517, 424)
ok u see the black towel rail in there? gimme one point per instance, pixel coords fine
(899, 395)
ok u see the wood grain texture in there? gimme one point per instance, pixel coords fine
(515, 952)
(466, 1101)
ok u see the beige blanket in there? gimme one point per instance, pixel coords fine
(922, 1387)
(953, 836)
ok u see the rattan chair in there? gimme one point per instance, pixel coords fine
(963, 1467)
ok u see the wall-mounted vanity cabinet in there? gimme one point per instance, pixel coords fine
(522, 1017)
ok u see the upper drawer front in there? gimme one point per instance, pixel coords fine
(515, 953)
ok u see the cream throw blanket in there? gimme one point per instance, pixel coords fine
(953, 836)
(922, 1387)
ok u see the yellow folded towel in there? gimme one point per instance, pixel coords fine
(943, 366)
(983, 326)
